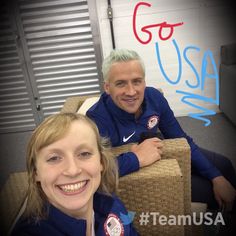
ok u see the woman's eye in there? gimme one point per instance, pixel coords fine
(85, 154)
(54, 159)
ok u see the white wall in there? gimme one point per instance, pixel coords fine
(205, 26)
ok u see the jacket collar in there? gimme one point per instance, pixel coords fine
(115, 110)
(102, 205)
(73, 227)
(123, 115)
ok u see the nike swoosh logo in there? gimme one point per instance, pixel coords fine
(126, 139)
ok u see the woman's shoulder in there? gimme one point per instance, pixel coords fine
(56, 223)
(26, 226)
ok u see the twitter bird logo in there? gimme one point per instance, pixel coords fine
(127, 219)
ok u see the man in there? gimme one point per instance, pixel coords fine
(128, 108)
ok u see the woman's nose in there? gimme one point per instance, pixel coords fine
(72, 167)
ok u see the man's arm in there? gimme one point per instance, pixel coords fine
(127, 163)
(148, 151)
(170, 128)
(224, 192)
(140, 155)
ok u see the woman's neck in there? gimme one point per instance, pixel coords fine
(89, 222)
(87, 214)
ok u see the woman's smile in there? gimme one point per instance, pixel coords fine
(72, 189)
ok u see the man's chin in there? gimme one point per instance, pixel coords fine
(130, 110)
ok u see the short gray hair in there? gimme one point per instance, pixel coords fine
(120, 55)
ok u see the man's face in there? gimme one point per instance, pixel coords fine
(126, 85)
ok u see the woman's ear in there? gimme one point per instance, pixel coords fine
(36, 176)
(101, 162)
(101, 167)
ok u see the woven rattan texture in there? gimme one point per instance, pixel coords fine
(179, 150)
(140, 191)
(174, 149)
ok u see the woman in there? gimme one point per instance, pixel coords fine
(71, 177)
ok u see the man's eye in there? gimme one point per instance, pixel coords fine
(137, 82)
(120, 84)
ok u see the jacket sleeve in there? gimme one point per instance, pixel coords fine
(170, 128)
(127, 162)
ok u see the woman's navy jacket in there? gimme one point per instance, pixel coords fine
(110, 216)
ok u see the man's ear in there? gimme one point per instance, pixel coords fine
(106, 87)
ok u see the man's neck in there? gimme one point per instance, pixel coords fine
(138, 113)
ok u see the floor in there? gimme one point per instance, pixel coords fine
(219, 136)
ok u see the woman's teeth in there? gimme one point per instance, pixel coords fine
(72, 187)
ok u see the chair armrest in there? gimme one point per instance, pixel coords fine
(178, 149)
(157, 188)
(173, 150)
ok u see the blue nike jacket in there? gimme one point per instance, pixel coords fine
(122, 128)
(110, 216)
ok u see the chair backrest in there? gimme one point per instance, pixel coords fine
(89, 102)
(72, 104)
(12, 200)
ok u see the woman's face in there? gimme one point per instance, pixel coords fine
(69, 170)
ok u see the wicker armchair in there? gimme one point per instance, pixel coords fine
(163, 187)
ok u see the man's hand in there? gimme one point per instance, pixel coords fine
(224, 192)
(148, 151)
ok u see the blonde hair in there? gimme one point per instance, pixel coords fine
(49, 131)
(120, 55)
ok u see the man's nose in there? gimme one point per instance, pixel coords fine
(130, 90)
(72, 167)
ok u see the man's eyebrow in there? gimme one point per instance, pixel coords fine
(137, 78)
(120, 80)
